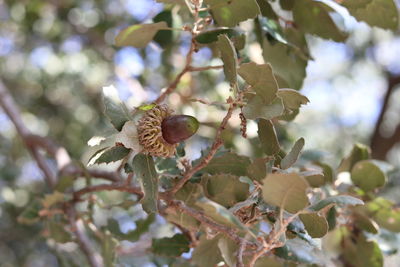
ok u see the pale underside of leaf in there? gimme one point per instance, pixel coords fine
(139, 35)
(293, 155)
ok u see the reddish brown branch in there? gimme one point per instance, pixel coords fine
(229, 232)
(94, 258)
(64, 162)
(205, 68)
(10, 108)
(217, 144)
(239, 255)
(178, 78)
(381, 145)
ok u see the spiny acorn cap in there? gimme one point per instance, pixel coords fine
(150, 132)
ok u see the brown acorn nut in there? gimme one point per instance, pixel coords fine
(178, 128)
(159, 132)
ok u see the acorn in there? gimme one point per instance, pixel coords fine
(159, 132)
(178, 128)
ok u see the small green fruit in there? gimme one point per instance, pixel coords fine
(178, 128)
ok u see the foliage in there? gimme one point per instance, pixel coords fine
(262, 209)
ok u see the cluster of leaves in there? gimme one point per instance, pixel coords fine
(278, 197)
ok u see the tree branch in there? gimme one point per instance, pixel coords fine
(210, 223)
(178, 78)
(205, 68)
(10, 108)
(94, 258)
(194, 32)
(381, 145)
(239, 255)
(217, 144)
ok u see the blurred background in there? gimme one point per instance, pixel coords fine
(55, 57)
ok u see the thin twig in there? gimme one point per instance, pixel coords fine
(229, 232)
(205, 68)
(189, 56)
(273, 239)
(257, 255)
(10, 108)
(173, 85)
(94, 258)
(59, 153)
(239, 255)
(217, 144)
(64, 162)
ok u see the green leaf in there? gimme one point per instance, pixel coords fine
(189, 193)
(316, 225)
(280, 56)
(53, 199)
(64, 183)
(57, 232)
(289, 115)
(168, 165)
(211, 36)
(219, 213)
(206, 253)
(142, 226)
(363, 222)
(230, 163)
(145, 171)
(379, 13)
(314, 178)
(358, 153)
(293, 155)
(292, 99)
(30, 214)
(115, 110)
(229, 57)
(298, 251)
(96, 155)
(239, 41)
(257, 170)
(147, 107)
(266, 9)
(225, 189)
(108, 249)
(384, 213)
(164, 37)
(261, 79)
(269, 261)
(267, 136)
(327, 170)
(255, 108)
(361, 252)
(271, 29)
(139, 35)
(331, 218)
(112, 154)
(287, 191)
(338, 200)
(171, 246)
(313, 17)
(228, 250)
(229, 13)
(366, 175)
(287, 4)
